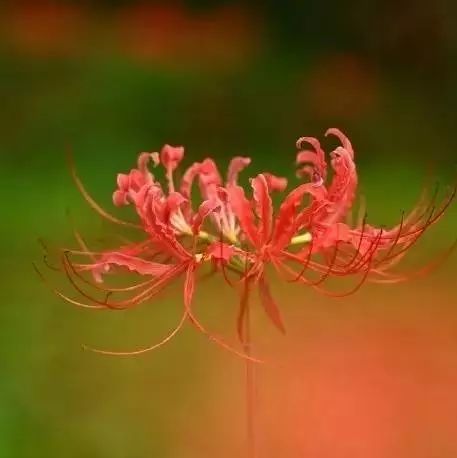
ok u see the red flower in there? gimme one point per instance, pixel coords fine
(242, 235)
(290, 239)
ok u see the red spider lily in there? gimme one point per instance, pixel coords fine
(173, 232)
(321, 227)
(307, 239)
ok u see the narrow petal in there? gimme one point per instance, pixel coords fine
(263, 207)
(269, 305)
(243, 211)
(162, 231)
(174, 201)
(237, 164)
(344, 185)
(209, 178)
(132, 263)
(284, 225)
(188, 178)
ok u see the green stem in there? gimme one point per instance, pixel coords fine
(251, 391)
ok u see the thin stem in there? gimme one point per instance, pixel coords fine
(251, 391)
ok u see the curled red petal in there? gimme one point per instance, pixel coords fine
(209, 178)
(343, 139)
(206, 208)
(120, 198)
(316, 157)
(188, 178)
(314, 142)
(237, 164)
(144, 158)
(275, 183)
(122, 181)
(171, 156)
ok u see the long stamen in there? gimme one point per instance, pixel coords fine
(63, 296)
(306, 264)
(432, 218)
(330, 267)
(141, 351)
(157, 284)
(46, 256)
(91, 201)
(347, 293)
(425, 270)
(369, 254)
(96, 301)
(359, 245)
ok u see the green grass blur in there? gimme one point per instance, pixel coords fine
(110, 79)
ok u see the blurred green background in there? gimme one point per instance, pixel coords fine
(112, 78)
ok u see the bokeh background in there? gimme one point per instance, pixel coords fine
(372, 375)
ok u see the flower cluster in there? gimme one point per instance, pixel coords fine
(307, 239)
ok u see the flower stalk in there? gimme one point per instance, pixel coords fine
(251, 391)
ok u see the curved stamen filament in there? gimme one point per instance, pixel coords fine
(63, 296)
(91, 201)
(141, 351)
